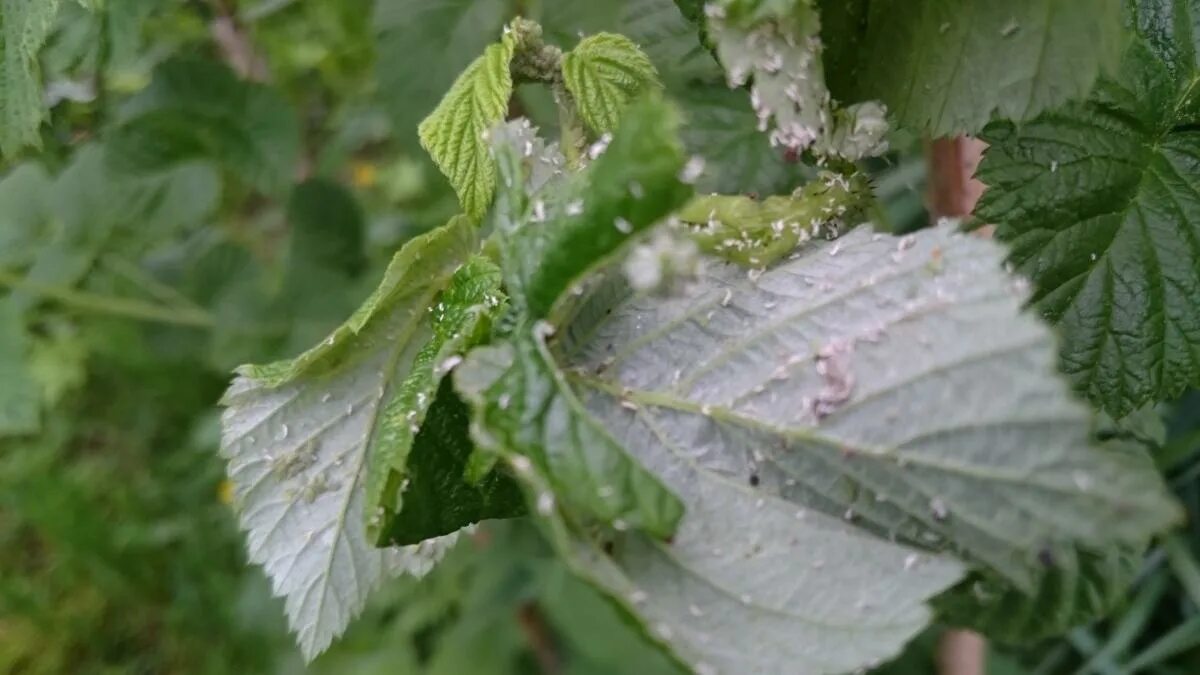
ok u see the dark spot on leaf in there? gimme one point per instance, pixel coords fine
(754, 480)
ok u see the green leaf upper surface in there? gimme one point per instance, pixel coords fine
(415, 481)
(295, 435)
(949, 66)
(633, 185)
(891, 384)
(24, 27)
(1100, 204)
(721, 127)
(199, 109)
(605, 72)
(525, 407)
(455, 133)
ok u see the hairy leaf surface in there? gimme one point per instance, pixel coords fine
(455, 133)
(777, 47)
(949, 66)
(1100, 204)
(887, 384)
(605, 72)
(295, 435)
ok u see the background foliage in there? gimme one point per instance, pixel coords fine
(220, 182)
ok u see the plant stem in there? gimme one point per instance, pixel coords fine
(102, 304)
(953, 193)
(572, 137)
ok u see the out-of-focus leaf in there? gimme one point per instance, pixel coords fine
(327, 228)
(20, 399)
(949, 67)
(197, 109)
(456, 30)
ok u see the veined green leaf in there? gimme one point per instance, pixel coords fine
(949, 66)
(295, 435)
(199, 109)
(24, 27)
(630, 187)
(416, 488)
(1100, 205)
(868, 389)
(455, 133)
(604, 73)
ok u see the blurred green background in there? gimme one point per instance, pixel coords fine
(221, 182)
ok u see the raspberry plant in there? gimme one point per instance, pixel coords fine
(774, 437)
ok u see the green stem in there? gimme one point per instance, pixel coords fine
(573, 138)
(102, 304)
(152, 287)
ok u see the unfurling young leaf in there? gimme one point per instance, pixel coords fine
(605, 72)
(1099, 203)
(455, 133)
(526, 410)
(415, 482)
(296, 433)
